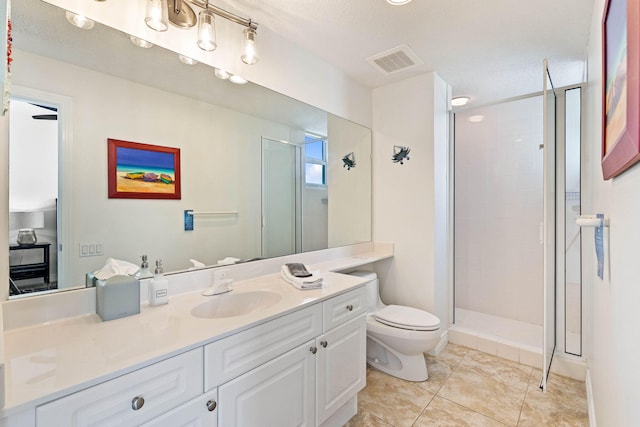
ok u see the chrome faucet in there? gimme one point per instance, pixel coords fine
(221, 284)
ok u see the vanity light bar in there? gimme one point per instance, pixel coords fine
(225, 14)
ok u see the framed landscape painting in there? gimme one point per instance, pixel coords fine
(621, 86)
(143, 171)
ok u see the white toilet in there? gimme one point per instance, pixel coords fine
(397, 336)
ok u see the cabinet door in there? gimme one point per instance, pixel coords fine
(280, 393)
(131, 399)
(199, 412)
(341, 366)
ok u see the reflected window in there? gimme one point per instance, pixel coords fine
(315, 166)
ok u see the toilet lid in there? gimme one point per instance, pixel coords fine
(407, 318)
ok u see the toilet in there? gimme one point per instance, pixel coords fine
(397, 336)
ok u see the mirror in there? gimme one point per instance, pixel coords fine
(117, 90)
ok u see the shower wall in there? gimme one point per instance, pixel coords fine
(498, 210)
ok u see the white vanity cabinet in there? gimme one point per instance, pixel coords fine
(131, 399)
(303, 386)
(199, 412)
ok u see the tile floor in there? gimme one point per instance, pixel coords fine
(469, 388)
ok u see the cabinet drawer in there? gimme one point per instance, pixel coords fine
(239, 353)
(199, 412)
(163, 385)
(343, 308)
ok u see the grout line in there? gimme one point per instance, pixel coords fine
(472, 410)
(526, 393)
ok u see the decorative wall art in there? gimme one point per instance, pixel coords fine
(400, 154)
(143, 171)
(349, 161)
(621, 86)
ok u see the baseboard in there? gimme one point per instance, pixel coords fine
(590, 403)
(567, 366)
(444, 339)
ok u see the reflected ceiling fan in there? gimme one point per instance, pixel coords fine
(45, 116)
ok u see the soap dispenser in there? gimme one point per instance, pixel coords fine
(144, 272)
(158, 287)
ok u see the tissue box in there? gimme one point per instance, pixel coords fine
(118, 296)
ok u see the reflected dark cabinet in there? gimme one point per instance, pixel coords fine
(32, 270)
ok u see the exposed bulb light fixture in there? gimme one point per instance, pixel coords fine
(79, 21)
(140, 43)
(221, 74)
(459, 101)
(157, 17)
(181, 14)
(237, 80)
(186, 60)
(207, 30)
(249, 55)
(398, 2)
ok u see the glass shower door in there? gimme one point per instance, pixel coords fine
(549, 227)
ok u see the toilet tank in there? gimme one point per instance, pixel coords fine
(373, 297)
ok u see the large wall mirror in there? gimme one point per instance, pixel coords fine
(263, 173)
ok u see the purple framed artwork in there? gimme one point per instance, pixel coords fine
(621, 86)
(143, 171)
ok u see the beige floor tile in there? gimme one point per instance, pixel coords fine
(440, 369)
(479, 391)
(366, 420)
(444, 413)
(393, 400)
(510, 373)
(563, 404)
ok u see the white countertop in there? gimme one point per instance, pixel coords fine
(50, 360)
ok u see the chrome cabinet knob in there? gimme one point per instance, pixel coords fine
(137, 403)
(324, 344)
(313, 350)
(350, 307)
(211, 405)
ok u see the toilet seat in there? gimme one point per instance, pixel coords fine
(407, 318)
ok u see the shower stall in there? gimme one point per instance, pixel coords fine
(517, 291)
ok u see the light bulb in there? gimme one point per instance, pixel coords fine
(79, 21)
(398, 2)
(187, 60)
(237, 80)
(206, 30)
(157, 15)
(140, 43)
(221, 74)
(249, 54)
(459, 101)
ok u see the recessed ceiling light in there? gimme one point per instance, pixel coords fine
(459, 101)
(237, 80)
(398, 2)
(140, 43)
(187, 60)
(79, 21)
(476, 119)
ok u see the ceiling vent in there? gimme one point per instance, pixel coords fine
(394, 60)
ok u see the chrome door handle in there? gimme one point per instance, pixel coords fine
(211, 405)
(324, 344)
(313, 350)
(350, 307)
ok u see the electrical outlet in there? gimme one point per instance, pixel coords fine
(88, 249)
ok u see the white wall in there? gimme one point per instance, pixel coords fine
(612, 304)
(346, 203)
(498, 210)
(220, 149)
(409, 208)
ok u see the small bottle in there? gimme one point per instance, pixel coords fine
(158, 287)
(144, 272)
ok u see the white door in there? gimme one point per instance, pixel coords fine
(341, 368)
(279, 393)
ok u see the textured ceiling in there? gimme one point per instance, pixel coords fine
(487, 49)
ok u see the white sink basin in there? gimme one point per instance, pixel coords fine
(235, 304)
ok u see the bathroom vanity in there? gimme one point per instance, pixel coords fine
(264, 354)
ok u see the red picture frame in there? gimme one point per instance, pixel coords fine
(142, 171)
(620, 87)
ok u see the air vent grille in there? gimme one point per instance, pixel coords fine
(394, 60)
